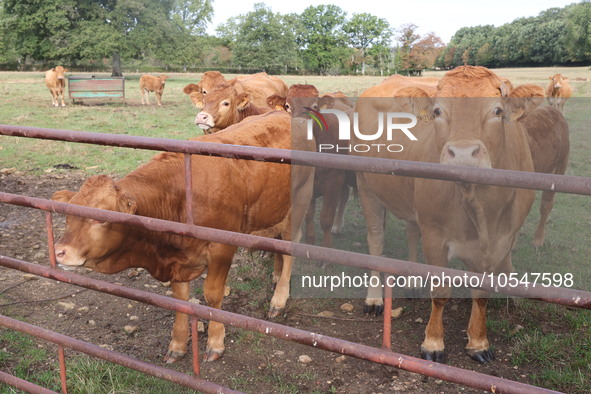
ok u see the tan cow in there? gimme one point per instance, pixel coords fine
(251, 197)
(333, 185)
(558, 91)
(223, 107)
(470, 121)
(259, 86)
(150, 83)
(55, 81)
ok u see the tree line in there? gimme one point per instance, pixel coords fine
(171, 35)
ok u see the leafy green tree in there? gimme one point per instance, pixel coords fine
(262, 42)
(578, 32)
(322, 38)
(366, 30)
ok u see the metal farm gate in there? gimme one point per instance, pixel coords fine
(564, 296)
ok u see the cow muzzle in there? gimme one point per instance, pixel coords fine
(557, 86)
(204, 120)
(466, 153)
(66, 255)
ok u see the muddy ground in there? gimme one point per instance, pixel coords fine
(252, 362)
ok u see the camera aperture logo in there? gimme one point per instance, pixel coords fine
(344, 131)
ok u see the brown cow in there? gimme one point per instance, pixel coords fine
(558, 91)
(243, 196)
(548, 139)
(223, 107)
(329, 183)
(259, 86)
(471, 123)
(150, 83)
(56, 83)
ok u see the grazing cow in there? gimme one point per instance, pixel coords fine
(558, 91)
(251, 197)
(150, 83)
(329, 183)
(470, 122)
(259, 86)
(223, 107)
(56, 83)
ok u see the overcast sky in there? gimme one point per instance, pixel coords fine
(443, 18)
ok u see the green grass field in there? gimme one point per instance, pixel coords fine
(563, 361)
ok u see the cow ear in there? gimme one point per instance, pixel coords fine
(191, 88)
(126, 203)
(565, 78)
(243, 101)
(197, 99)
(63, 196)
(326, 102)
(66, 70)
(420, 101)
(276, 102)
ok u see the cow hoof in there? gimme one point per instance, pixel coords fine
(274, 312)
(377, 310)
(173, 356)
(438, 355)
(212, 355)
(483, 357)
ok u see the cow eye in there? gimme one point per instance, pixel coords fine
(288, 108)
(226, 104)
(437, 111)
(498, 111)
(204, 91)
(99, 222)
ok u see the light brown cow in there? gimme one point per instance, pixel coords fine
(259, 86)
(223, 107)
(150, 83)
(55, 81)
(470, 122)
(548, 139)
(243, 196)
(333, 185)
(558, 91)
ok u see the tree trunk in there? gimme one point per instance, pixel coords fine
(116, 65)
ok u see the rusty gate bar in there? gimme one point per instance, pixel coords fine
(62, 360)
(336, 345)
(487, 176)
(191, 382)
(558, 295)
(22, 384)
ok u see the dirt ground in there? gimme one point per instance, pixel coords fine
(252, 362)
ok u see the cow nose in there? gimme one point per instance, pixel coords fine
(60, 252)
(557, 86)
(201, 118)
(465, 154)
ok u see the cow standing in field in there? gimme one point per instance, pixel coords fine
(469, 120)
(259, 86)
(332, 184)
(150, 83)
(558, 91)
(246, 196)
(55, 81)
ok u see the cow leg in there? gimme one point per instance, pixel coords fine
(213, 290)
(375, 220)
(147, 96)
(54, 99)
(159, 98)
(330, 201)
(413, 234)
(310, 229)
(277, 268)
(339, 220)
(545, 209)
(433, 346)
(281, 293)
(180, 330)
(478, 347)
(142, 92)
(61, 93)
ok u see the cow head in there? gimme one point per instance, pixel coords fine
(471, 115)
(210, 80)
(87, 241)
(60, 71)
(221, 107)
(163, 79)
(557, 80)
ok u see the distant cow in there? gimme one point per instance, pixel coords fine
(251, 197)
(150, 83)
(259, 86)
(56, 83)
(558, 91)
(468, 121)
(223, 107)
